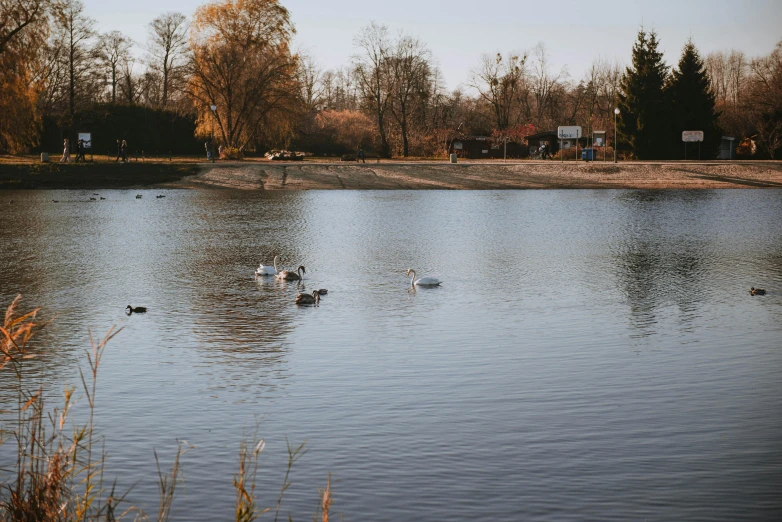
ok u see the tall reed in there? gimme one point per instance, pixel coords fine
(57, 475)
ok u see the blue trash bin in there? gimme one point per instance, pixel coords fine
(588, 154)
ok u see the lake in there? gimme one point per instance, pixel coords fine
(590, 355)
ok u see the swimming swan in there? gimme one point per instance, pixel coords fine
(422, 281)
(287, 275)
(265, 270)
(308, 299)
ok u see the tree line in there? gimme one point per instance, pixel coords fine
(59, 75)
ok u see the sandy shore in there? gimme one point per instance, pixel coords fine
(482, 176)
(309, 175)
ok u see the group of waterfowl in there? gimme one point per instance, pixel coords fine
(290, 275)
(92, 198)
(314, 297)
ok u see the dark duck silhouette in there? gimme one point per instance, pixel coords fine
(756, 291)
(308, 299)
(137, 310)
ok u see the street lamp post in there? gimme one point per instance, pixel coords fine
(212, 141)
(616, 113)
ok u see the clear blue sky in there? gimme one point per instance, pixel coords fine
(459, 31)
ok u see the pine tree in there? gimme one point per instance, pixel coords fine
(692, 104)
(642, 121)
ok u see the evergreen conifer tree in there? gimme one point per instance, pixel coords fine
(642, 123)
(692, 104)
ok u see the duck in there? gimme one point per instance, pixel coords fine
(287, 275)
(422, 281)
(756, 291)
(55, 201)
(138, 196)
(323, 291)
(264, 270)
(102, 197)
(308, 299)
(93, 199)
(160, 196)
(137, 310)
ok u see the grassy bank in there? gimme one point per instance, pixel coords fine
(28, 175)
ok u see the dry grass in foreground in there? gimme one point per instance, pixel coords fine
(59, 470)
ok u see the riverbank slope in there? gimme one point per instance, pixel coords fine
(266, 175)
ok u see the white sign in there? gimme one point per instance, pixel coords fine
(86, 137)
(566, 145)
(569, 132)
(599, 142)
(690, 136)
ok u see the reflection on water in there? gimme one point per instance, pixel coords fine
(590, 354)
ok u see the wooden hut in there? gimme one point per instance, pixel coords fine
(486, 147)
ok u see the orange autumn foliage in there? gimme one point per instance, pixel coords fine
(242, 64)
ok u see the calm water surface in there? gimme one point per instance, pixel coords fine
(591, 355)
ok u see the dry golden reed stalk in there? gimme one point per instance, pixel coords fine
(57, 477)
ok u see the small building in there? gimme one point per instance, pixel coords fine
(727, 148)
(552, 141)
(486, 147)
(550, 138)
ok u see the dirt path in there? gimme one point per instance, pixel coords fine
(527, 175)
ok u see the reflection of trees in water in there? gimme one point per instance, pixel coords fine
(242, 323)
(657, 269)
(33, 236)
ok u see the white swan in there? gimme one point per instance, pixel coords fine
(422, 281)
(264, 270)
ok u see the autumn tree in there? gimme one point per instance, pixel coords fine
(498, 81)
(412, 70)
(74, 46)
(113, 50)
(338, 89)
(242, 64)
(545, 86)
(308, 75)
(764, 101)
(16, 16)
(729, 76)
(343, 131)
(374, 72)
(167, 52)
(23, 25)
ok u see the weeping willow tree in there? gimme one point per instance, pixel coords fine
(242, 64)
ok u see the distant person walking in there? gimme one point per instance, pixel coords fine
(360, 156)
(208, 147)
(119, 151)
(79, 151)
(66, 151)
(124, 151)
